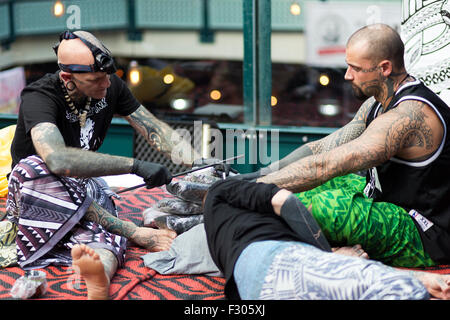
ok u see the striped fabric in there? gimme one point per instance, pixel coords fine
(48, 211)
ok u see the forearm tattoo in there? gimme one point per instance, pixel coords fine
(126, 229)
(151, 130)
(74, 162)
(349, 132)
(345, 134)
(162, 137)
(390, 134)
(97, 214)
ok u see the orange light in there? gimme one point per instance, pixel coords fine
(134, 73)
(273, 101)
(324, 80)
(58, 9)
(168, 78)
(215, 94)
(135, 76)
(295, 9)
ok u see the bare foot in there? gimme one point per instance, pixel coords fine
(154, 239)
(355, 251)
(438, 285)
(87, 263)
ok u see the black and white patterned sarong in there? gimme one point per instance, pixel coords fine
(302, 272)
(49, 210)
(286, 270)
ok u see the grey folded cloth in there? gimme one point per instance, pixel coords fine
(189, 254)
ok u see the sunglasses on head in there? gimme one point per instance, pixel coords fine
(103, 61)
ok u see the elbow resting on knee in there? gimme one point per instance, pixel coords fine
(56, 163)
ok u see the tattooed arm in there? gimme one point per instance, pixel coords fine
(62, 160)
(405, 130)
(162, 137)
(343, 135)
(147, 238)
(74, 162)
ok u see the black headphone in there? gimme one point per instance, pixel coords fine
(103, 61)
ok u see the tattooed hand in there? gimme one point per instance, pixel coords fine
(153, 239)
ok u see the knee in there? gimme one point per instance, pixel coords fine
(29, 168)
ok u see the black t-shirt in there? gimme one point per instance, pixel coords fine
(236, 214)
(43, 101)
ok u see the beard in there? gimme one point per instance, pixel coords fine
(358, 93)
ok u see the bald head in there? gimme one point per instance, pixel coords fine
(379, 42)
(74, 51)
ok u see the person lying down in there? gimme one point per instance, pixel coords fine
(268, 246)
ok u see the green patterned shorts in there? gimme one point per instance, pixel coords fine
(347, 217)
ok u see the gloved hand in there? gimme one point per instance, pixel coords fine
(221, 168)
(154, 174)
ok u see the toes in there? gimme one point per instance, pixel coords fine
(80, 250)
(90, 251)
(76, 252)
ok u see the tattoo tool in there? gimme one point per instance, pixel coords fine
(186, 172)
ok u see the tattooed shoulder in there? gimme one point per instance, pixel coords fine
(416, 132)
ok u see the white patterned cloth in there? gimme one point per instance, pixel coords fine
(425, 31)
(302, 272)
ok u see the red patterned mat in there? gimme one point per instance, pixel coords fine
(134, 281)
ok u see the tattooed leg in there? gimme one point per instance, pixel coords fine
(148, 238)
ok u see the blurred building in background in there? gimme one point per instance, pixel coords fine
(185, 57)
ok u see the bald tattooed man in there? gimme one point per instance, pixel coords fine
(55, 196)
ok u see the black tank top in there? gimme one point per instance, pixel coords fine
(421, 187)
